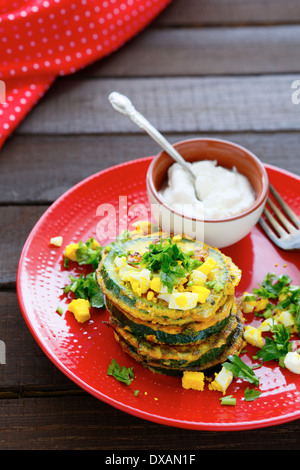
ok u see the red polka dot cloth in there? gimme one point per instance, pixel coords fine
(42, 39)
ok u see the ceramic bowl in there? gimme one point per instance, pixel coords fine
(215, 232)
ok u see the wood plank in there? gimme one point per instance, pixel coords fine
(204, 51)
(233, 12)
(41, 409)
(16, 224)
(83, 423)
(177, 104)
(26, 367)
(38, 169)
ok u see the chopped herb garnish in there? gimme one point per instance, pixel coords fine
(86, 287)
(170, 261)
(60, 310)
(229, 400)
(117, 245)
(123, 374)
(277, 347)
(250, 298)
(272, 286)
(282, 294)
(251, 394)
(89, 253)
(215, 285)
(240, 369)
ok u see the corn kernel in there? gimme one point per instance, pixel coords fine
(70, 251)
(81, 309)
(155, 284)
(150, 295)
(207, 266)
(95, 244)
(203, 293)
(194, 380)
(261, 304)
(143, 227)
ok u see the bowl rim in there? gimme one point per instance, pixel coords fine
(260, 199)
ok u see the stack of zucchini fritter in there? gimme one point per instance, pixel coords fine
(172, 303)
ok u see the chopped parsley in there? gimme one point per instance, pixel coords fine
(86, 287)
(272, 286)
(89, 253)
(217, 286)
(283, 295)
(170, 261)
(117, 245)
(251, 394)
(229, 400)
(241, 370)
(277, 347)
(123, 374)
(60, 310)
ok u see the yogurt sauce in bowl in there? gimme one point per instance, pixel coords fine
(224, 193)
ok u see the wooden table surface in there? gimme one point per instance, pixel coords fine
(204, 67)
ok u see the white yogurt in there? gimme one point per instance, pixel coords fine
(224, 193)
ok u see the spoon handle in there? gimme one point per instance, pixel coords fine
(123, 105)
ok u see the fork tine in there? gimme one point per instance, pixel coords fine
(285, 207)
(289, 227)
(274, 223)
(268, 231)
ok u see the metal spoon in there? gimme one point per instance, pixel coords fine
(123, 105)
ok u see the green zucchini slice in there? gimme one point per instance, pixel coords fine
(180, 356)
(207, 362)
(186, 334)
(122, 296)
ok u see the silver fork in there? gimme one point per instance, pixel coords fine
(286, 234)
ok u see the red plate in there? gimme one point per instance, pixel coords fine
(83, 352)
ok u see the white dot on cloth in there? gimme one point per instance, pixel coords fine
(60, 36)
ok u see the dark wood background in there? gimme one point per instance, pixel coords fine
(205, 67)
